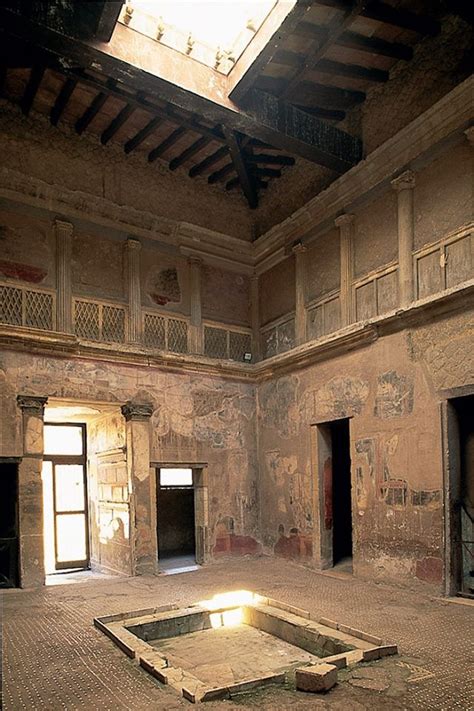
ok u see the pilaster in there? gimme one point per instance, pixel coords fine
(30, 492)
(255, 317)
(64, 235)
(142, 486)
(195, 325)
(300, 293)
(404, 185)
(133, 247)
(345, 224)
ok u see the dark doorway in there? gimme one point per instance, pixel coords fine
(463, 499)
(8, 525)
(341, 491)
(175, 518)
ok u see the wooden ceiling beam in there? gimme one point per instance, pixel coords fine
(267, 159)
(389, 15)
(221, 173)
(245, 177)
(117, 123)
(62, 100)
(235, 183)
(34, 81)
(291, 59)
(91, 112)
(266, 172)
(353, 40)
(139, 137)
(167, 143)
(189, 152)
(108, 19)
(321, 93)
(208, 162)
(332, 32)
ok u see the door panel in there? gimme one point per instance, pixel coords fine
(70, 516)
(71, 533)
(70, 494)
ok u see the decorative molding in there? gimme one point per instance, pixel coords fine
(32, 404)
(137, 411)
(405, 181)
(344, 219)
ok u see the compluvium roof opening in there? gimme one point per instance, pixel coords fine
(214, 32)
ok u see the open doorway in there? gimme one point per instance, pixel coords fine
(461, 495)
(66, 530)
(8, 524)
(176, 524)
(332, 449)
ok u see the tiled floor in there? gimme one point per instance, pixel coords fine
(55, 659)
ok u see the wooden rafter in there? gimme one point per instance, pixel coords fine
(91, 112)
(208, 162)
(62, 100)
(189, 152)
(353, 40)
(245, 176)
(221, 173)
(398, 17)
(173, 138)
(34, 81)
(320, 93)
(143, 134)
(123, 115)
(294, 60)
(268, 159)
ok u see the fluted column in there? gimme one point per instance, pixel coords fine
(300, 293)
(133, 247)
(255, 317)
(64, 234)
(345, 224)
(142, 485)
(195, 329)
(404, 185)
(30, 492)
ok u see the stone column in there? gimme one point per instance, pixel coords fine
(345, 224)
(195, 326)
(142, 486)
(30, 492)
(300, 293)
(404, 186)
(255, 318)
(133, 247)
(64, 234)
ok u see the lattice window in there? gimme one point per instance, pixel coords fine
(39, 310)
(11, 305)
(155, 330)
(113, 324)
(239, 343)
(86, 320)
(215, 342)
(177, 336)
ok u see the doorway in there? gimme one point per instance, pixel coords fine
(331, 444)
(461, 495)
(9, 525)
(66, 531)
(176, 524)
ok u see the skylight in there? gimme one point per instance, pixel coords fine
(214, 32)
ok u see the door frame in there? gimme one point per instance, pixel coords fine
(81, 460)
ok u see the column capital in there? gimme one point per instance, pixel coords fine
(299, 248)
(137, 411)
(133, 244)
(469, 133)
(32, 404)
(194, 260)
(345, 219)
(63, 227)
(404, 181)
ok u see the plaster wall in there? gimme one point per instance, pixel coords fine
(322, 265)
(225, 296)
(27, 248)
(391, 392)
(277, 291)
(195, 420)
(98, 266)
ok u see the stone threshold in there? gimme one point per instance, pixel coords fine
(359, 335)
(333, 643)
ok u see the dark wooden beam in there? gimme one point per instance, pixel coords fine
(235, 183)
(266, 172)
(245, 177)
(62, 100)
(398, 17)
(167, 143)
(318, 94)
(332, 33)
(208, 162)
(139, 137)
(277, 27)
(34, 81)
(267, 159)
(91, 112)
(108, 19)
(221, 173)
(278, 125)
(353, 40)
(117, 123)
(320, 112)
(328, 66)
(189, 152)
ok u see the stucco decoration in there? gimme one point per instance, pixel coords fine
(278, 406)
(341, 396)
